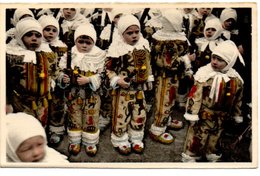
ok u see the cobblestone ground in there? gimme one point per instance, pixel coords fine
(156, 152)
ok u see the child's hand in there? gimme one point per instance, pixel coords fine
(192, 57)
(66, 79)
(122, 83)
(83, 80)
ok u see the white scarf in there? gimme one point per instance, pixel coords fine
(206, 72)
(228, 51)
(119, 47)
(213, 41)
(91, 61)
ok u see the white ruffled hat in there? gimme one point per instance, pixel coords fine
(86, 29)
(48, 20)
(20, 127)
(24, 26)
(216, 24)
(19, 13)
(228, 51)
(172, 20)
(227, 14)
(125, 21)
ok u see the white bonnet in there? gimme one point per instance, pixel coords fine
(117, 11)
(126, 21)
(24, 26)
(174, 19)
(86, 29)
(207, 8)
(76, 15)
(49, 20)
(228, 13)
(19, 13)
(20, 127)
(228, 51)
(216, 24)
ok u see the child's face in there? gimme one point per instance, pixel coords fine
(187, 10)
(50, 33)
(32, 40)
(32, 149)
(210, 32)
(131, 35)
(204, 11)
(229, 24)
(69, 13)
(84, 44)
(217, 63)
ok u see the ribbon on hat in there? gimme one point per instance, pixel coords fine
(218, 76)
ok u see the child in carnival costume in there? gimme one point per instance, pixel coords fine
(215, 97)
(228, 18)
(69, 19)
(169, 56)
(107, 36)
(202, 15)
(19, 14)
(154, 24)
(129, 71)
(57, 108)
(83, 99)
(28, 145)
(110, 31)
(205, 45)
(27, 68)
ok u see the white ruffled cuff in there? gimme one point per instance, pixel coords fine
(157, 130)
(57, 130)
(53, 85)
(74, 136)
(113, 81)
(135, 136)
(95, 82)
(60, 81)
(119, 141)
(90, 138)
(150, 78)
(238, 119)
(191, 117)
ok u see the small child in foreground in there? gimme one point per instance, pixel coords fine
(26, 141)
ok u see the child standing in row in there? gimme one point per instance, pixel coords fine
(228, 18)
(215, 97)
(169, 48)
(27, 68)
(69, 20)
(205, 45)
(50, 32)
(83, 100)
(129, 71)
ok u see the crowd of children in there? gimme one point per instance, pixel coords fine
(80, 71)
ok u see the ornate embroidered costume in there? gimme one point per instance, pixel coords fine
(215, 97)
(28, 73)
(129, 105)
(83, 101)
(169, 54)
(57, 102)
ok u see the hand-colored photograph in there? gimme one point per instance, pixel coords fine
(169, 85)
